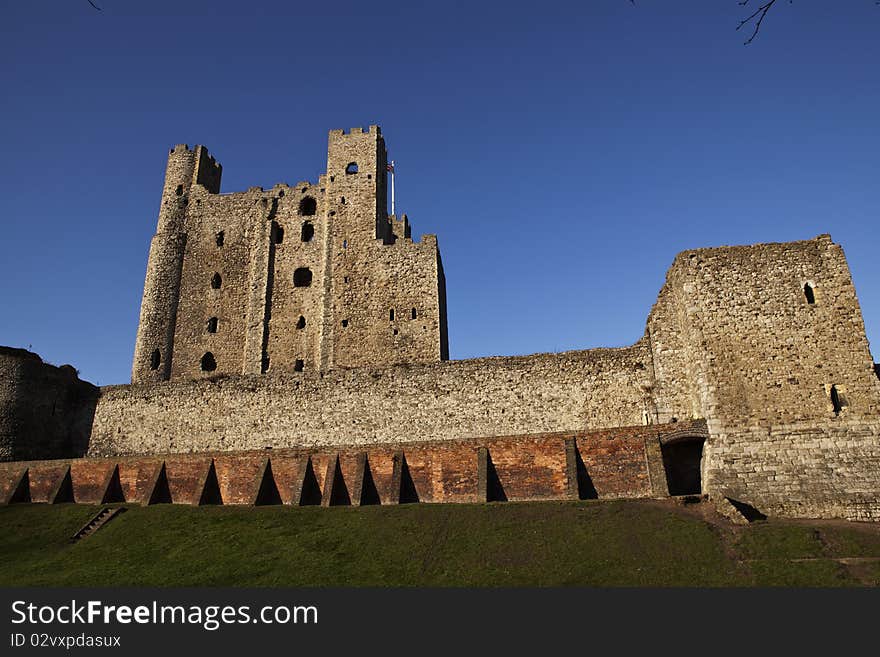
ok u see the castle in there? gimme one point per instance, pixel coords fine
(302, 278)
(292, 348)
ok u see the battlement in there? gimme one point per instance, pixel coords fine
(372, 130)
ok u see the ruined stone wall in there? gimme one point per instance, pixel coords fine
(767, 343)
(401, 404)
(45, 411)
(290, 279)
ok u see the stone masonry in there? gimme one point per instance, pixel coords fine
(301, 327)
(305, 278)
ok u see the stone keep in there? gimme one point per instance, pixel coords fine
(305, 278)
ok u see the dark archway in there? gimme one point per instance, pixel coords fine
(308, 206)
(302, 277)
(682, 460)
(809, 294)
(208, 363)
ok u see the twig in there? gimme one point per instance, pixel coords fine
(95, 6)
(762, 10)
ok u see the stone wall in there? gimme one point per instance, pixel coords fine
(609, 464)
(767, 343)
(45, 411)
(754, 359)
(485, 397)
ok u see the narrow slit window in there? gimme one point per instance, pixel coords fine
(301, 322)
(155, 359)
(208, 363)
(391, 315)
(837, 400)
(809, 293)
(212, 325)
(220, 237)
(216, 281)
(413, 313)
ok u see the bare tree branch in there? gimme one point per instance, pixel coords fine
(95, 6)
(760, 13)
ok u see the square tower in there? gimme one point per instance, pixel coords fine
(301, 278)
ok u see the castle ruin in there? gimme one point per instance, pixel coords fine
(293, 279)
(292, 348)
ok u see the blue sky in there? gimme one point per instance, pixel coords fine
(563, 152)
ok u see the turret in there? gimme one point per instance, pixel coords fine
(155, 339)
(356, 184)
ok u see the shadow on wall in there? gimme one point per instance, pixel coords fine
(46, 412)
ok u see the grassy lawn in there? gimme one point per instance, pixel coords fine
(618, 543)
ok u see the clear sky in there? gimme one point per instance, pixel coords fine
(563, 152)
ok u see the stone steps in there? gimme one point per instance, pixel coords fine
(100, 519)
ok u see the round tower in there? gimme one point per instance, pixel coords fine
(155, 338)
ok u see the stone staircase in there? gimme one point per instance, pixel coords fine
(100, 519)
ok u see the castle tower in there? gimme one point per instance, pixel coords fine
(292, 279)
(154, 345)
(386, 294)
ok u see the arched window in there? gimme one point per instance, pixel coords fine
(216, 281)
(308, 231)
(351, 168)
(212, 325)
(809, 293)
(302, 277)
(301, 322)
(298, 366)
(308, 206)
(208, 362)
(179, 190)
(155, 359)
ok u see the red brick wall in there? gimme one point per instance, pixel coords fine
(528, 467)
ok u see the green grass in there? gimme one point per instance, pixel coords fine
(519, 544)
